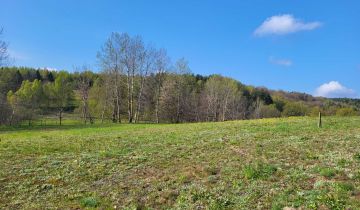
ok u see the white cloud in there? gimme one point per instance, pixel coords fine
(49, 69)
(281, 61)
(284, 24)
(334, 89)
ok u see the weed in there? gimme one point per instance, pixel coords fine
(327, 172)
(89, 202)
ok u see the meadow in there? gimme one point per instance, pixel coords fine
(252, 164)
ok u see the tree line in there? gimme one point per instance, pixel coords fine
(139, 83)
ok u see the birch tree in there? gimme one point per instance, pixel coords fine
(110, 61)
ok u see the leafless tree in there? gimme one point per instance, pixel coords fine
(3, 51)
(182, 69)
(148, 68)
(220, 92)
(110, 61)
(161, 64)
(83, 85)
(133, 58)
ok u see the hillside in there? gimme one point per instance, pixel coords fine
(28, 94)
(269, 163)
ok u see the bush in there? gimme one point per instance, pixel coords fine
(269, 111)
(295, 109)
(314, 112)
(348, 111)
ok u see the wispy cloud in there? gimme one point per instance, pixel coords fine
(334, 89)
(281, 61)
(284, 24)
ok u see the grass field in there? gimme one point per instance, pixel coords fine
(255, 164)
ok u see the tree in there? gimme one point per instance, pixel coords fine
(3, 51)
(220, 92)
(148, 68)
(174, 94)
(181, 91)
(99, 98)
(161, 65)
(60, 94)
(27, 100)
(84, 82)
(133, 58)
(110, 61)
(5, 110)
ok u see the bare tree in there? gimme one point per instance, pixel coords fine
(148, 68)
(110, 61)
(133, 58)
(182, 69)
(161, 65)
(84, 83)
(220, 92)
(3, 51)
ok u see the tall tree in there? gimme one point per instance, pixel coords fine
(110, 61)
(60, 94)
(148, 68)
(83, 83)
(220, 91)
(175, 94)
(3, 51)
(161, 66)
(133, 58)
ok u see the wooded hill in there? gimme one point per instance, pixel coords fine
(28, 94)
(138, 83)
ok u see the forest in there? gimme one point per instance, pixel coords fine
(139, 83)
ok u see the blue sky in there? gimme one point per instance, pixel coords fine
(298, 45)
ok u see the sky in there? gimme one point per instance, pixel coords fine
(299, 45)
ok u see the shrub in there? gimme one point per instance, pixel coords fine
(269, 111)
(348, 111)
(314, 112)
(295, 109)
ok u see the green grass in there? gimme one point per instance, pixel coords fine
(255, 164)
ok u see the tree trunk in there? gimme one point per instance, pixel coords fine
(118, 110)
(137, 112)
(157, 104)
(84, 111)
(114, 113)
(103, 113)
(130, 81)
(225, 107)
(157, 110)
(60, 116)
(118, 104)
(178, 109)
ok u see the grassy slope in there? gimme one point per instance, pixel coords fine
(263, 164)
